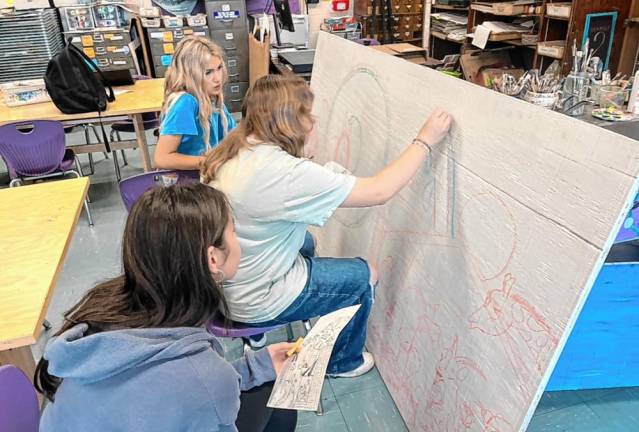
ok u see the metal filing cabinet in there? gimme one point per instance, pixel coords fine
(163, 42)
(109, 49)
(228, 28)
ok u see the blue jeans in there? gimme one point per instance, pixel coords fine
(332, 284)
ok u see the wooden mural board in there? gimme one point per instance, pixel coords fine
(486, 258)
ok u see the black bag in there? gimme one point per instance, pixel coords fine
(74, 87)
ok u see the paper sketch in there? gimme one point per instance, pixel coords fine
(486, 257)
(299, 385)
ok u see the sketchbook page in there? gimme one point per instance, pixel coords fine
(299, 385)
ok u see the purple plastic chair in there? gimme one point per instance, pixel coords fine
(131, 188)
(19, 410)
(149, 121)
(366, 41)
(36, 151)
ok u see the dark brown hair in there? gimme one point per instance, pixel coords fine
(166, 280)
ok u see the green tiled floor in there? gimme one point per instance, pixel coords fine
(364, 405)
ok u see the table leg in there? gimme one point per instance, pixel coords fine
(140, 135)
(22, 358)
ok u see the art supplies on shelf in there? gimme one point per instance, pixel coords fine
(553, 49)
(173, 21)
(506, 8)
(24, 92)
(79, 18)
(107, 15)
(196, 20)
(559, 10)
(612, 114)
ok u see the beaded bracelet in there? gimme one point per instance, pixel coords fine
(423, 144)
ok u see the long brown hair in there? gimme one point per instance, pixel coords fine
(276, 110)
(186, 74)
(166, 280)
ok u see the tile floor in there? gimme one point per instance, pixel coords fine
(354, 405)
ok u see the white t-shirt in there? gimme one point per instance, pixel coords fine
(274, 196)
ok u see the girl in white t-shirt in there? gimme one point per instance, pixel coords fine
(276, 193)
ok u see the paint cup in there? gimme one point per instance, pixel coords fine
(546, 100)
(611, 97)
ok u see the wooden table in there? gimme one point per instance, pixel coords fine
(143, 97)
(36, 225)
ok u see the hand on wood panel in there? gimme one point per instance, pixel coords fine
(436, 127)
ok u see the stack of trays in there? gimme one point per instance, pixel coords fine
(28, 39)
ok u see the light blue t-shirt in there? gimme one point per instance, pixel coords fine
(182, 119)
(275, 196)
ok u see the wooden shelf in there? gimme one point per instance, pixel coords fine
(519, 44)
(447, 7)
(549, 56)
(558, 18)
(443, 36)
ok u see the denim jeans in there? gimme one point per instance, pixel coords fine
(332, 284)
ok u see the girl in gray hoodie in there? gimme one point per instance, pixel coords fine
(133, 355)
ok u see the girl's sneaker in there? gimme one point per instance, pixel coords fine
(360, 370)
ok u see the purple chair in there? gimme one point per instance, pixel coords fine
(36, 151)
(366, 41)
(149, 121)
(131, 188)
(19, 411)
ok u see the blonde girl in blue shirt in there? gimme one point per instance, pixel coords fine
(194, 117)
(276, 194)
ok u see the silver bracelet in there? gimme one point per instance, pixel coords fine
(423, 144)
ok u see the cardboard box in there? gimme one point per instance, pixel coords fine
(412, 53)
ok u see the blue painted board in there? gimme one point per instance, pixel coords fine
(603, 348)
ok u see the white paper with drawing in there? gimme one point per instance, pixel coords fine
(487, 256)
(299, 385)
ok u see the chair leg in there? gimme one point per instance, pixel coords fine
(125, 162)
(46, 324)
(320, 408)
(289, 332)
(86, 207)
(86, 200)
(117, 165)
(307, 326)
(246, 345)
(97, 137)
(79, 167)
(87, 139)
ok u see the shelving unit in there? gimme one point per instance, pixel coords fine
(571, 29)
(404, 21)
(555, 28)
(440, 45)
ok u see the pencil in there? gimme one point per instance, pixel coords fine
(296, 347)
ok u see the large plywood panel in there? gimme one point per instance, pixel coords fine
(487, 256)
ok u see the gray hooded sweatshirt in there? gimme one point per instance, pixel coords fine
(158, 379)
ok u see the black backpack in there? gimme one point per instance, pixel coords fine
(74, 87)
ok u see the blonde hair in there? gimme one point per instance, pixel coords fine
(276, 110)
(187, 75)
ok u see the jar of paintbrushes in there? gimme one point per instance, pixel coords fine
(541, 90)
